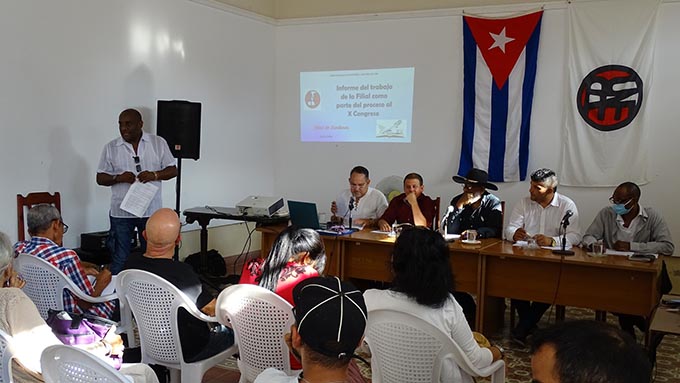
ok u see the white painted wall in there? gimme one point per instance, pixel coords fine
(70, 66)
(317, 171)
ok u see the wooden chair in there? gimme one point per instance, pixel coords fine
(437, 217)
(25, 203)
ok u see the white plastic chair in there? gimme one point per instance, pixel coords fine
(259, 318)
(45, 284)
(405, 348)
(155, 303)
(6, 356)
(68, 364)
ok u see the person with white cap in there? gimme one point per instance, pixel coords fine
(330, 319)
(475, 208)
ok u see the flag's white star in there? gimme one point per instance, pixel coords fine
(500, 40)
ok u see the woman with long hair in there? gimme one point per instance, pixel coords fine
(297, 254)
(422, 286)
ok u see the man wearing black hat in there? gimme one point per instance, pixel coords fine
(475, 208)
(330, 319)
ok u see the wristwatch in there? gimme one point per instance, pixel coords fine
(501, 349)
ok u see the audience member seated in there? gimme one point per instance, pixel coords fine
(366, 203)
(297, 254)
(587, 352)
(199, 339)
(422, 286)
(626, 225)
(330, 319)
(31, 335)
(412, 206)
(475, 208)
(47, 233)
(539, 216)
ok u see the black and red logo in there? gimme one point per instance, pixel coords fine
(610, 97)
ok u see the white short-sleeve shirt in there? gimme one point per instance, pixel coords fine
(118, 158)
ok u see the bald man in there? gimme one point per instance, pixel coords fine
(199, 339)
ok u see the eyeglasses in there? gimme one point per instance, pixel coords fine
(137, 165)
(65, 226)
(616, 202)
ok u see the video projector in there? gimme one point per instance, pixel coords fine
(259, 205)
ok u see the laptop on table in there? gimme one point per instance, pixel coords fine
(304, 215)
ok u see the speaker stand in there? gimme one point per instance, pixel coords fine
(178, 188)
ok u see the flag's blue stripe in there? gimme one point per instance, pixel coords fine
(469, 73)
(531, 56)
(499, 127)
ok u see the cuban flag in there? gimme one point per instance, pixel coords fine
(499, 71)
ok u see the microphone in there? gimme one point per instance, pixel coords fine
(351, 207)
(442, 224)
(565, 219)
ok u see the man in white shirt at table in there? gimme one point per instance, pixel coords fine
(539, 216)
(363, 203)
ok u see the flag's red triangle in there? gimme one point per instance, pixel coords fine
(494, 35)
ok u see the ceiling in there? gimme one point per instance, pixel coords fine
(295, 9)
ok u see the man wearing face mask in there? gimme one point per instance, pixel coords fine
(475, 208)
(627, 226)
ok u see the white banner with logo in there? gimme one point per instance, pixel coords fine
(611, 54)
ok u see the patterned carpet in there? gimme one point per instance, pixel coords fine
(518, 359)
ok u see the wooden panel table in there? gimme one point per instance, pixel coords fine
(611, 283)
(366, 255)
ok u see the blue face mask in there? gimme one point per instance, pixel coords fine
(620, 208)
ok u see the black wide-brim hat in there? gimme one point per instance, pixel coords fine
(476, 176)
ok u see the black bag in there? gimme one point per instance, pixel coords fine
(665, 284)
(216, 264)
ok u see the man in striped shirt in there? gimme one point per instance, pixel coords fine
(47, 232)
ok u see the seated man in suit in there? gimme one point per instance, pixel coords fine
(539, 216)
(475, 208)
(47, 234)
(626, 225)
(363, 203)
(199, 339)
(411, 206)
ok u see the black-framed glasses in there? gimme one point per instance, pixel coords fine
(138, 166)
(65, 226)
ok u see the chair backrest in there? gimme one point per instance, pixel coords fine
(405, 348)
(437, 217)
(259, 318)
(44, 283)
(6, 356)
(68, 364)
(154, 302)
(25, 203)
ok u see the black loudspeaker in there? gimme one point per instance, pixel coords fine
(179, 122)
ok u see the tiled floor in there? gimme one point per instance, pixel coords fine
(221, 375)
